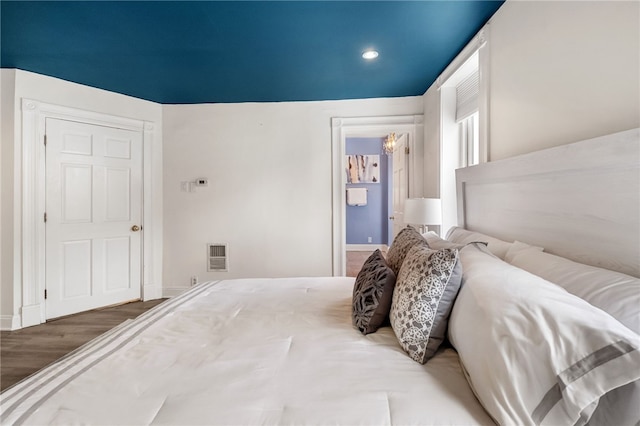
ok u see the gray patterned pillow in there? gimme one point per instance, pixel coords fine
(372, 294)
(402, 243)
(423, 297)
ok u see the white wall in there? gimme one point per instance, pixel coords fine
(269, 194)
(559, 72)
(7, 91)
(16, 85)
(450, 157)
(562, 72)
(432, 119)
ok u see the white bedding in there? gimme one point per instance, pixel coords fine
(252, 351)
(536, 354)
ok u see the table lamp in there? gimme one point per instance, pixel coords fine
(423, 212)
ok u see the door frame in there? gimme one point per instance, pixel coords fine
(359, 127)
(393, 212)
(31, 198)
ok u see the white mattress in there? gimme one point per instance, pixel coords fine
(254, 351)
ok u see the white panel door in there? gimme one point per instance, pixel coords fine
(94, 211)
(400, 182)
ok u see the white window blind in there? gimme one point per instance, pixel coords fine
(467, 96)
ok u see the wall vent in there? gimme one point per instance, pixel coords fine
(217, 257)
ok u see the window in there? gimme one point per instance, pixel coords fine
(459, 132)
(467, 119)
(469, 135)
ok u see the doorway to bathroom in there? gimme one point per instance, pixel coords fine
(369, 199)
(377, 185)
(370, 133)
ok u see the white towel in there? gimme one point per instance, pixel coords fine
(357, 196)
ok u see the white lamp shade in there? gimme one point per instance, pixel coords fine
(423, 211)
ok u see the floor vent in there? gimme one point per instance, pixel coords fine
(217, 257)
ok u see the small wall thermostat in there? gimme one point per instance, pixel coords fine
(202, 182)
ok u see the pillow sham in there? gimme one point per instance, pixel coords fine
(464, 236)
(613, 292)
(372, 293)
(436, 243)
(425, 290)
(517, 247)
(618, 407)
(401, 245)
(534, 353)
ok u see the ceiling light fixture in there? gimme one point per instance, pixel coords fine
(370, 54)
(389, 144)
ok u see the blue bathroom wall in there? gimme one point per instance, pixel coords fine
(370, 221)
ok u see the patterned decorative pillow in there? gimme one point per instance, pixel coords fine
(372, 294)
(425, 290)
(402, 243)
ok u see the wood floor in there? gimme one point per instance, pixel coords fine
(25, 351)
(355, 260)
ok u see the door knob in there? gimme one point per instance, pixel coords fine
(391, 217)
(135, 228)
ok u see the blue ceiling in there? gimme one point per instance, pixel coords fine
(240, 51)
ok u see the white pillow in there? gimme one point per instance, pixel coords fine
(435, 242)
(534, 353)
(613, 292)
(463, 236)
(517, 247)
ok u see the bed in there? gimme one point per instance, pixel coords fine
(522, 342)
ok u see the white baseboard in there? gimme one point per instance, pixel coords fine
(31, 315)
(9, 322)
(366, 247)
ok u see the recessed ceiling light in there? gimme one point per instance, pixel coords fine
(370, 54)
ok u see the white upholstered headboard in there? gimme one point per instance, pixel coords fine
(580, 201)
